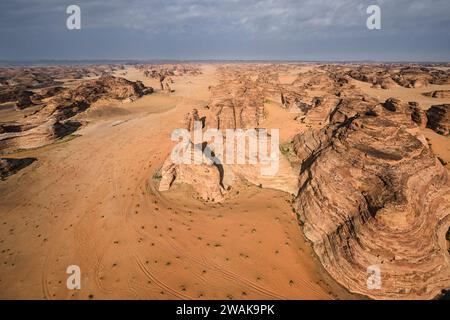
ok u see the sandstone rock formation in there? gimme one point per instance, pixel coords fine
(372, 193)
(362, 166)
(168, 70)
(212, 175)
(9, 166)
(48, 76)
(385, 83)
(441, 94)
(387, 76)
(439, 119)
(190, 120)
(16, 94)
(35, 135)
(49, 92)
(206, 177)
(418, 115)
(236, 103)
(165, 83)
(53, 119)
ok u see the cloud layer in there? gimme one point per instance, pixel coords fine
(226, 29)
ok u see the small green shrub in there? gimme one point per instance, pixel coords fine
(287, 149)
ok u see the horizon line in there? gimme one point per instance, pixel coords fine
(157, 60)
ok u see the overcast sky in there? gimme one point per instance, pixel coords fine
(226, 29)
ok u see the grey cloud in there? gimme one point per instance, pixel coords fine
(212, 29)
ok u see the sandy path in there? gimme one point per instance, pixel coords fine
(90, 202)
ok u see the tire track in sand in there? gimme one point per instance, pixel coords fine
(158, 282)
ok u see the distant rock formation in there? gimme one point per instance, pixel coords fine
(385, 83)
(53, 119)
(168, 70)
(32, 78)
(440, 94)
(388, 76)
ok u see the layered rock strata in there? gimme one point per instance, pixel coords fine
(374, 197)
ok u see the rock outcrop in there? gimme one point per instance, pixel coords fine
(439, 94)
(191, 119)
(372, 194)
(17, 94)
(389, 76)
(33, 136)
(169, 70)
(439, 119)
(205, 166)
(49, 76)
(418, 115)
(53, 119)
(9, 166)
(206, 177)
(385, 83)
(236, 103)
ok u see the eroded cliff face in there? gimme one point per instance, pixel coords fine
(372, 193)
